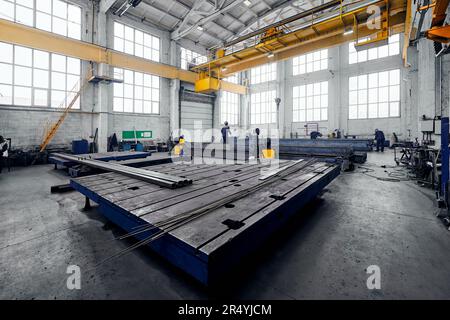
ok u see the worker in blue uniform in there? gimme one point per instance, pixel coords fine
(315, 134)
(225, 132)
(379, 138)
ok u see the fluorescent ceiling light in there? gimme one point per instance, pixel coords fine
(200, 28)
(247, 3)
(270, 55)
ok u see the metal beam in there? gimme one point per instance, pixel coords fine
(185, 20)
(105, 5)
(304, 39)
(163, 12)
(178, 34)
(22, 35)
(226, 14)
(296, 17)
(264, 15)
(154, 177)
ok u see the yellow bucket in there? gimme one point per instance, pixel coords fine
(268, 153)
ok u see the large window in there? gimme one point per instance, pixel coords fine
(229, 108)
(135, 42)
(264, 73)
(50, 15)
(233, 79)
(391, 49)
(139, 92)
(375, 95)
(311, 62)
(189, 57)
(310, 102)
(263, 108)
(36, 78)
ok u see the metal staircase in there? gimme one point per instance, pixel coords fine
(53, 128)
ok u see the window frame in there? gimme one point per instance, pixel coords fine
(362, 110)
(302, 63)
(304, 99)
(266, 107)
(133, 87)
(154, 52)
(227, 104)
(34, 89)
(184, 55)
(356, 57)
(264, 73)
(51, 16)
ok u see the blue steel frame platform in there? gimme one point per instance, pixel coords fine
(106, 156)
(213, 244)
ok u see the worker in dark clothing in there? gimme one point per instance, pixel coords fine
(225, 132)
(3, 152)
(379, 137)
(315, 134)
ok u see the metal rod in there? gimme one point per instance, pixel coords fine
(157, 178)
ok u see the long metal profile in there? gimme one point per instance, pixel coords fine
(161, 179)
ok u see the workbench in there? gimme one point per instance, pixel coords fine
(214, 243)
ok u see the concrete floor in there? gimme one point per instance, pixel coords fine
(359, 221)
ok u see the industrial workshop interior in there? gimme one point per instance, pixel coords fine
(224, 149)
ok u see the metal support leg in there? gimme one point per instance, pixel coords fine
(87, 204)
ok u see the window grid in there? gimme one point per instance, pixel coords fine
(375, 95)
(233, 79)
(191, 57)
(54, 16)
(135, 42)
(391, 49)
(264, 73)
(229, 108)
(263, 108)
(37, 78)
(139, 93)
(310, 102)
(311, 62)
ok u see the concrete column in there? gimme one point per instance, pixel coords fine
(174, 90)
(426, 81)
(281, 90)
(245, 104)
(103, 104)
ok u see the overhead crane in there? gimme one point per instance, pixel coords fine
(439, 30)
(330, 24)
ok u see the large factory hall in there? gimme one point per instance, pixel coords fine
(224, 149)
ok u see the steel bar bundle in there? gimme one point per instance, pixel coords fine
(161, 179)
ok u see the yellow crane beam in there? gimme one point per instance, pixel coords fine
(22, 35)
(317, 34)
(438, 31)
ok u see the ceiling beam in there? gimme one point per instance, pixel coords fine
(178, 33)
(105, 5)
(185, 19)
(163, 12)
(264, 15)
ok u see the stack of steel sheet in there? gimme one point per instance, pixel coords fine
(356, 144)
(294, 148)
(154, 177)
